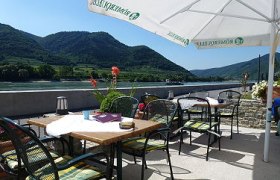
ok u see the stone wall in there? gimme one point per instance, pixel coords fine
(252, 113)
(24, 103)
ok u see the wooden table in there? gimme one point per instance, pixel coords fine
(104, 138)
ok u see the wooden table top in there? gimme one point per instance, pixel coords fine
(103, 138)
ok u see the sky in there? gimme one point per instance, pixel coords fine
(47, 17)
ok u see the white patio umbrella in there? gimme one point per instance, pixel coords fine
(207, 24)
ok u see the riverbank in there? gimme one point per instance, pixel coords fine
(66, 85)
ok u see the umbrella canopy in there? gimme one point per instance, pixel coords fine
(207, 24)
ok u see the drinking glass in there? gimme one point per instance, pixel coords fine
(86, 114)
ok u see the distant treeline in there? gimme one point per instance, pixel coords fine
(25, 72)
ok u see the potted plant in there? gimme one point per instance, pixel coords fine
(105, 100)
(259, 90)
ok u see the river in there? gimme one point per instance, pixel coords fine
(47, 85)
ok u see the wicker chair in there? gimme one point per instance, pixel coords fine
(159, 110)
(126, 105)
(42, 165)
(203, 124)
(8, 156)
(197, 111)
(148, 98)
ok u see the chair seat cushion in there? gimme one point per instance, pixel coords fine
(225, 114)
(194, 111)
(199, 126)
(135, 145)
(12, 161)
(79, 171)
(159, 118)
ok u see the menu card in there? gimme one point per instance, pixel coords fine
(107, 117)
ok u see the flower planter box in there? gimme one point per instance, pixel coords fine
(275, 94)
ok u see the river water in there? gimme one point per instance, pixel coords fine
(47, 85)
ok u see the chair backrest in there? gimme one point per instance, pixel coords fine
(230, 95)
(25, 150)
(200, 94)
(148, 98)
(186, 104)
(126, 105)
(161, 110)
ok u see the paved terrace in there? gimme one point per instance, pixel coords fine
(239, 158)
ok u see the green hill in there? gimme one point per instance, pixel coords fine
(99, 49)
(16, 44)
(96, 49)
(103, 50)
(235, 71)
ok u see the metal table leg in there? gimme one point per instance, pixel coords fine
(119, 160)
(215, 128)
(71, 146)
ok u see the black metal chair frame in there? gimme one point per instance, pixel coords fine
(200, 94)
(208, 119)
(235, 110)
(45, 140)
(146, 98)
(117, 105)
(163, 133)
(22, 151)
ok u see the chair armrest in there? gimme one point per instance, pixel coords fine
(82, 158)
(214, 133)
(178, 130)
(28, 127)
(157, 131)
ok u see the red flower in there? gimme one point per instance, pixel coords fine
(93, 82)
(141, 106)
(115, 71)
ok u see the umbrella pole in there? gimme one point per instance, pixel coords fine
(274, 40)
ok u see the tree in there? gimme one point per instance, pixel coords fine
(46, 71)
(66, 71)
(94, 74)
(23, 74)
(9, 73)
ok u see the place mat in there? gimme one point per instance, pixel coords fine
(77, 123)
(107, 117)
